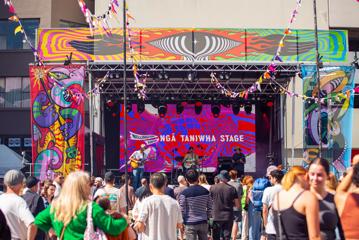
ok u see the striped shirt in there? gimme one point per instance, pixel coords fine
(196, 205)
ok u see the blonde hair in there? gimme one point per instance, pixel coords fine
(73, 198)
(290, 177)
(202, 179)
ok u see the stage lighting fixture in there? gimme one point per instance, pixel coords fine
(162, 110)
(110, 103)
(248, 108)
(225, 76)
(216, 110)
(191, 76)
(198, 107)
(179, 108)
(163, 75)
(221, 76)
(129, 107)
(236, 108)
(140, 107)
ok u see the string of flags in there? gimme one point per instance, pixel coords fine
(270, 72)
(20, 28)
(102, 20)
(139, 79)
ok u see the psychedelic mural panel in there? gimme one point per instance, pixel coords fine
(336, 113)
(191, 45)
(57, 119)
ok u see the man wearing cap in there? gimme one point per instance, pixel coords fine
(17, 214)
(34, 201)
(138, 158)
(224, 197)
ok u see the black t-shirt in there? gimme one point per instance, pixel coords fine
(239, 158)
(223, 196)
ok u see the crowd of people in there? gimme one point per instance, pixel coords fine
(297, 204)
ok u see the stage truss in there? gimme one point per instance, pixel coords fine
(179, 87)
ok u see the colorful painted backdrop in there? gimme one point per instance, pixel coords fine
(336, 112)
(57, 117)
(170, 137)
(189, 45)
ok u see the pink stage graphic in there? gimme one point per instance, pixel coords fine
(169, 138)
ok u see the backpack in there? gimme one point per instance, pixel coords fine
(257, 192)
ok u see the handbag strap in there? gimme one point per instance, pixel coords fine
(89, 217)
(62, 232)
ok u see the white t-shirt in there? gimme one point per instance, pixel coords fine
(140, 157)
(17, 214)
(160, 214)
(267, 199)
(117, 199)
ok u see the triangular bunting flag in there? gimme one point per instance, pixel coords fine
(18, 29)
(14, 18)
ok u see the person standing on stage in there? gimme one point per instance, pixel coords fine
(137, 161)
(238, 161)
(191, 159)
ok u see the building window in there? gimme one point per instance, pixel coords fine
(10, 41)
(27, 142)
(14, 142)
(15, 92)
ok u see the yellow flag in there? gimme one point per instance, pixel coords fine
(18, 29)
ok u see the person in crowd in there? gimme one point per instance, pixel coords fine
(130, 189)
(347, 201)
(168, 190)
(5, 232)
(238, 161)
(236, 211)
(328, 215)
(48, 193)
(137, 161)
(34, 201)
(247, 184)
(144, 186)
(224, 197)
(118, 200)
(216, 180)
(58, 181)
(255, 195)
(275, 177)
(67, 213)
(182, 186)
(18, 215)
(203, 181)
(160, 215)
(295, 208)
(196, 206)
(331, 183)
(98, 183)
(138, 206)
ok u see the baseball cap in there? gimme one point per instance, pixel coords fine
(271, 168)
(13, 177)
(109, 176)
(31, 181)
(224, 175)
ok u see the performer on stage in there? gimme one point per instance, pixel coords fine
(190, 160)
(238, 161)
(137, 161)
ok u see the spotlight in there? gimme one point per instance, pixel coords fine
(248, 108)
(179, 108)
(140, 107)
(163, 75)
(198, 107)
(110, 103)
(191, 76)
(236, 108)
(162, 110)
(225, 76)
(129, 108)
(221, 76)
(216, 110)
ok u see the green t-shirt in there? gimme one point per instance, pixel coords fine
(76, 228)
